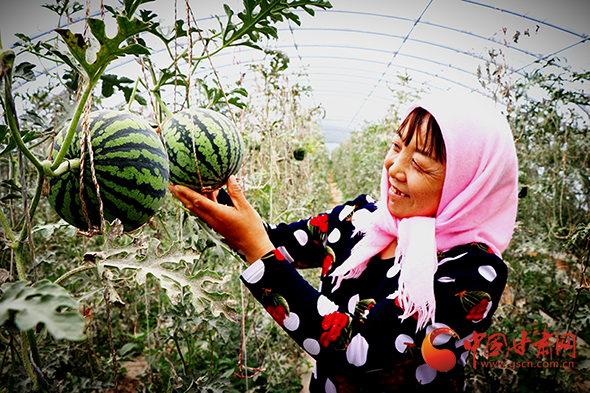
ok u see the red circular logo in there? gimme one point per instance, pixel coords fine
(438, 359)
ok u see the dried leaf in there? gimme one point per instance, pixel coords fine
(173, 271)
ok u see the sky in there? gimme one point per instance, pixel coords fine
(354, 54)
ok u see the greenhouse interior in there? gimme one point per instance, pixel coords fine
(193, 192)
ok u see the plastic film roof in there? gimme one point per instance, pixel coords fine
(352, 56)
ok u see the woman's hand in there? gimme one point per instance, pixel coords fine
(239, 224)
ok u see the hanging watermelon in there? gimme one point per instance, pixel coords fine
(131, 170)
(204, 148)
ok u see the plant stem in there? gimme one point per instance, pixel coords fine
(27, 362)
(11, 119)
(73, 125)
(7, 228)
(175, 337)
(72, 272)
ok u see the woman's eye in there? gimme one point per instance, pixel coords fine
(417, 165)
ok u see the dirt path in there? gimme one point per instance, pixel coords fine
(335, 193)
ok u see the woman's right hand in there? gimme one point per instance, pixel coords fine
(240, 224)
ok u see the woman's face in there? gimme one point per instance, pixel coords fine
(415, 178)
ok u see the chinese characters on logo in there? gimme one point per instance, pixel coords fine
(497, 345)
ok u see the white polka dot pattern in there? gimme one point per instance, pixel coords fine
(301, 236)
(445, 260)
(425, 374)
(393, 295)
(345, 212)
(441, 338)
(326, 306)
(334, 236)
(446, 279)
(394, 270)
(401, 342)
(462, 361)
(352, 303)
(357, 350)
(286, 254)
(330, 387)
(254, 273)
(291, 322)
(487, 272)
(311, 346)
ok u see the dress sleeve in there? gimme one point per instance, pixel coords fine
(370, 334)
(303, 242)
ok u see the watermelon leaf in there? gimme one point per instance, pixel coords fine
(43, 302)
(258, 16)
(25, 71)
(174, 271)
(95, 57)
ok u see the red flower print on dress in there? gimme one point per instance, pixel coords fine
(320, 221)
(483, 247)
(278, 254)
(479, 311)
(342, 385)
(395, 379)
(327, 264)
(477, 304)
(275, 304)
(278, 313)
(333, 323)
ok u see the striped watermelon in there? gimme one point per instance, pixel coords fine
(218, 145)
(131, 169)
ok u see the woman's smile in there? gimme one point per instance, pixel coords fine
(395, 192)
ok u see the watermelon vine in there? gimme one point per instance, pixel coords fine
(86, 61)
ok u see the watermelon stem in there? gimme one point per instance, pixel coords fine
(6, 64)
(73, 125)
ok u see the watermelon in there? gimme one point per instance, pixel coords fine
(131, 167)
(213, 137)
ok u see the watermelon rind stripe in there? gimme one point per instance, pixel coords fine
(218, 143)
(131, 167)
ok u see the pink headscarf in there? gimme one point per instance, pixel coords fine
(478, 202)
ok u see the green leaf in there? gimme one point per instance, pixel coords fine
(33, 118)
(94, 59)
(4, 133)
(43, 302)
(25, 71)
(110, 81)
(27, 136)
(173, 270)
(258, 17)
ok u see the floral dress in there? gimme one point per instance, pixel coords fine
(355, 333)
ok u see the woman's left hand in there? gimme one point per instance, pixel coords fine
(240, 224)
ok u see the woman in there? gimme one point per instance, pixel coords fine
(426, 256)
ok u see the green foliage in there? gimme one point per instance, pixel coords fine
(258, 17)
(549, 254)
(168, 304)
(175, 271)
(282, 187)
(360, 158)
(26, 306)
(95, 56)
